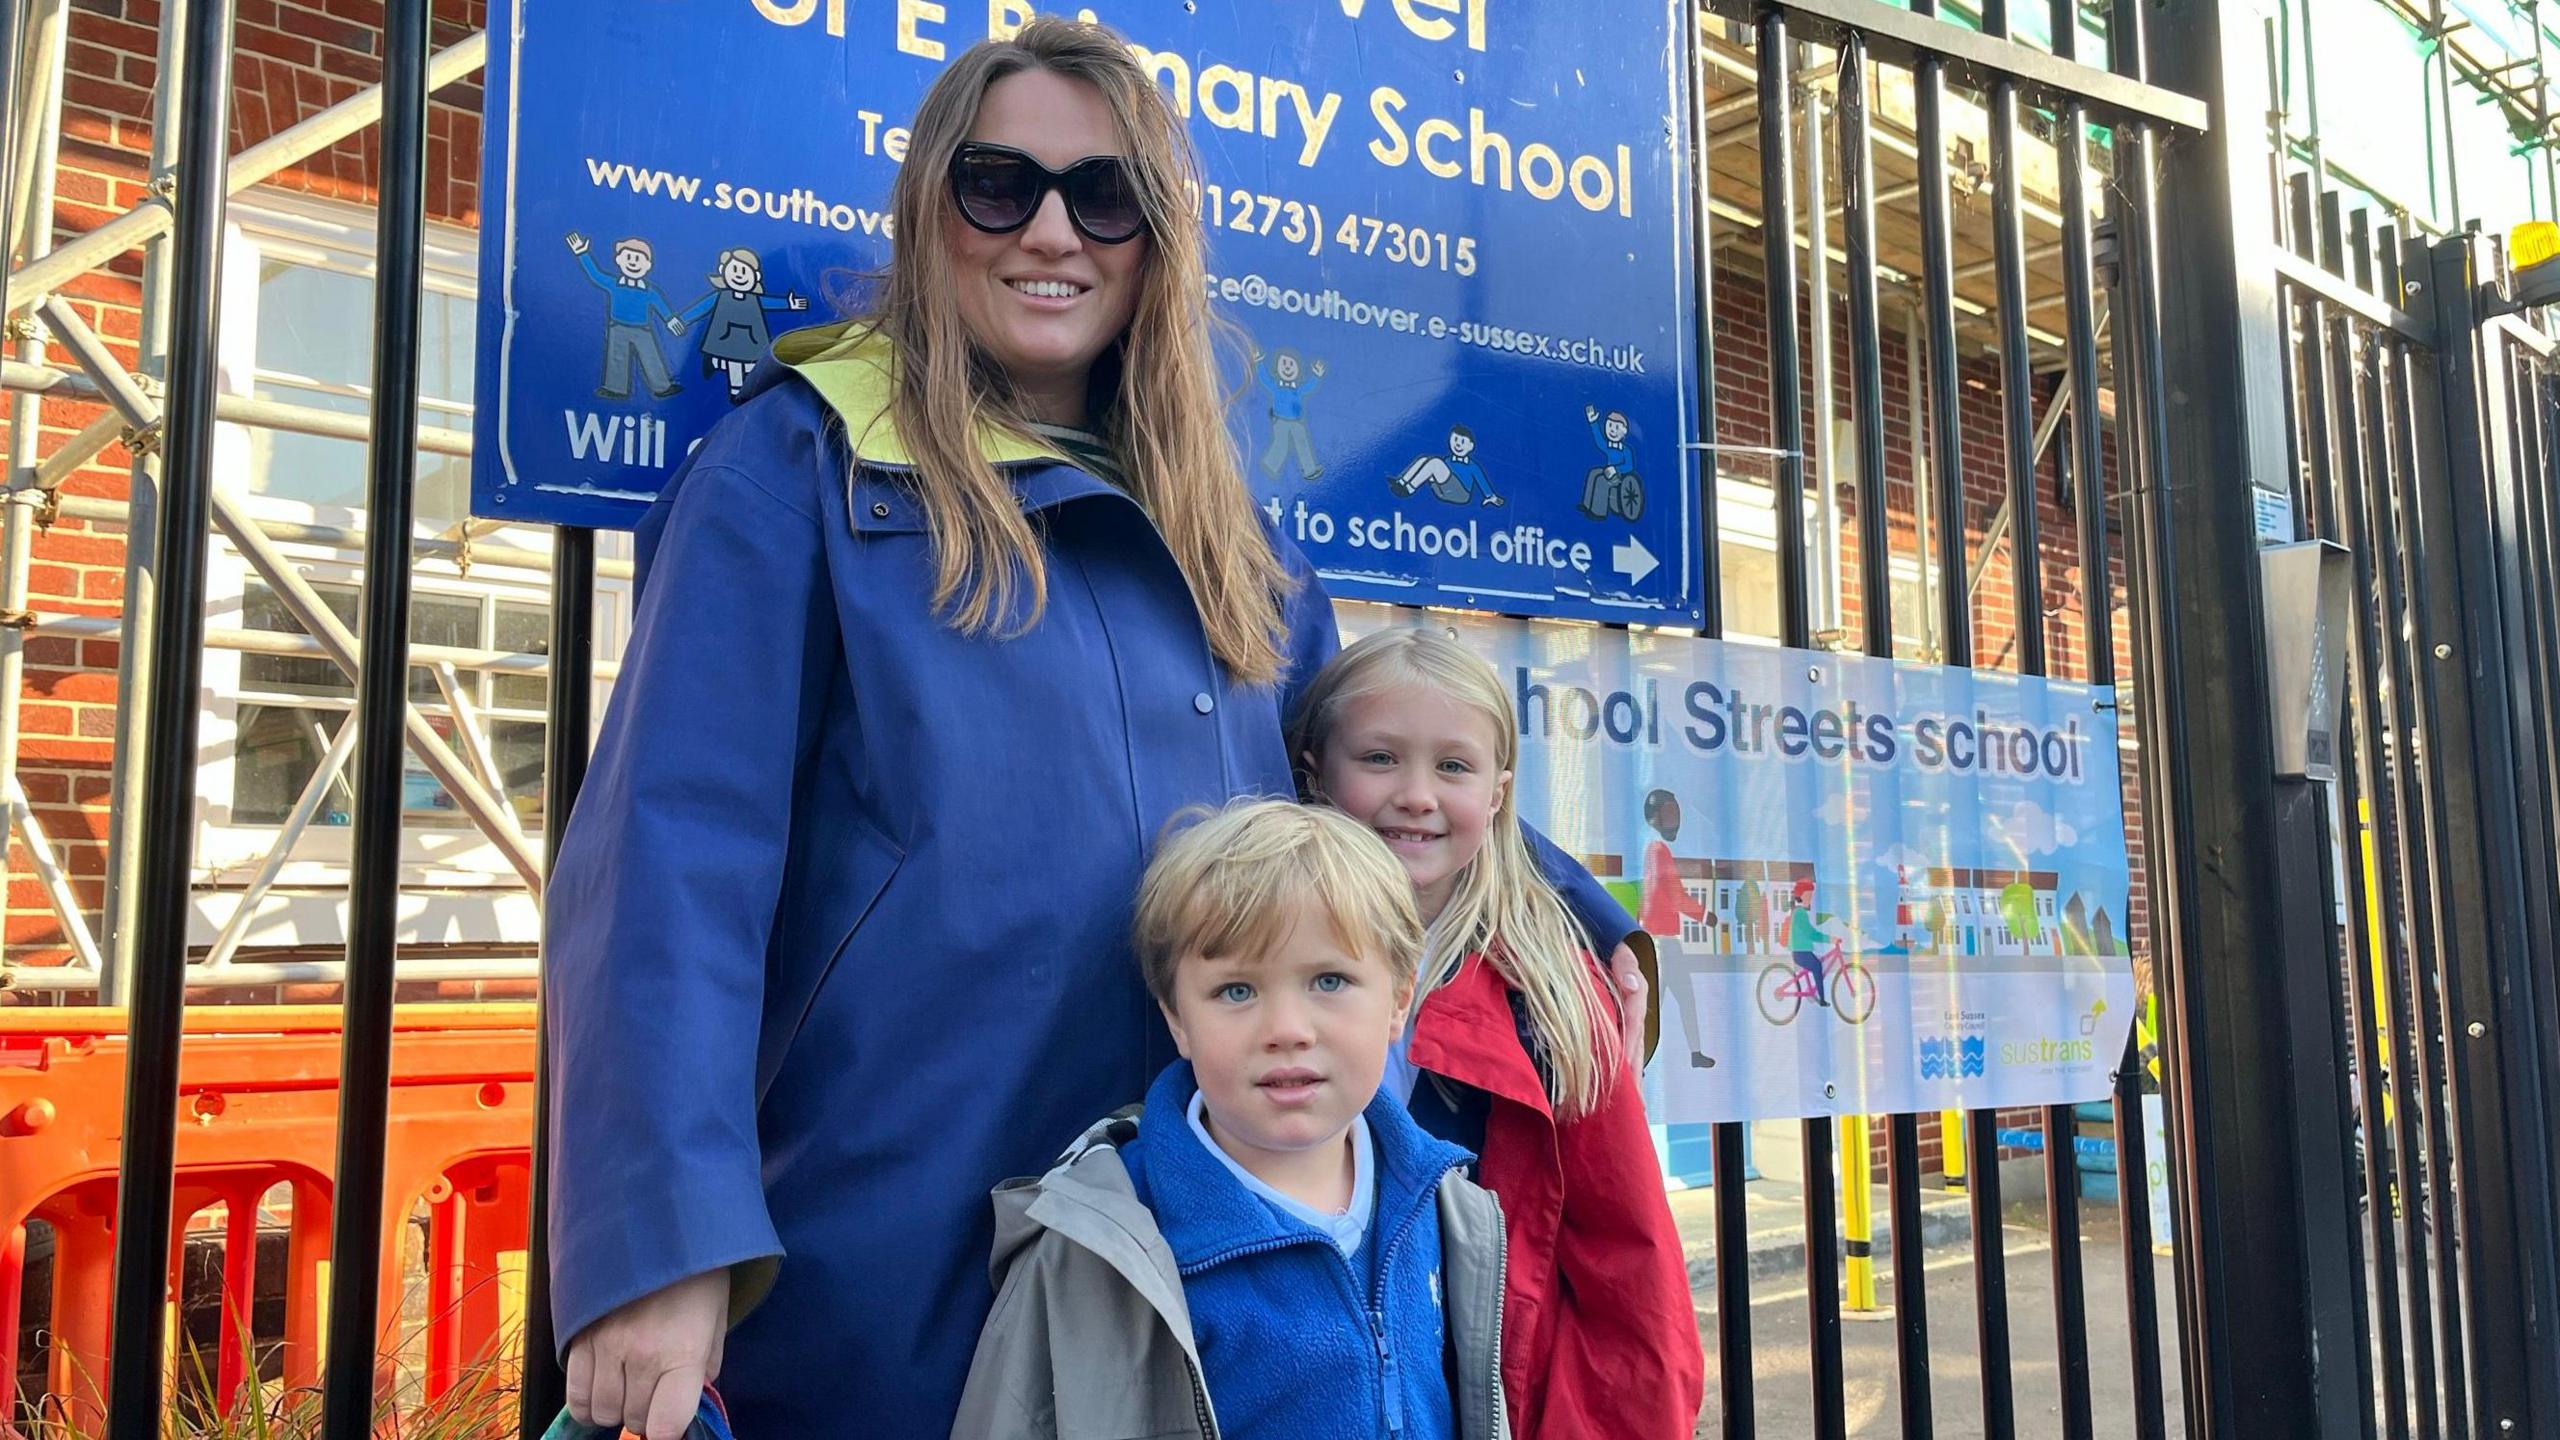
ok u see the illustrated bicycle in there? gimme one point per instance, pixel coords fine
(1785, 989)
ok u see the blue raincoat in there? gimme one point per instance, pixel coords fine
(838, 938)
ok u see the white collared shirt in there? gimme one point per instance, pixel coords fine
(1346, 1229)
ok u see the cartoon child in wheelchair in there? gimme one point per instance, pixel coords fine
(1611, 489)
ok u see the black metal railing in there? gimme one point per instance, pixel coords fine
(2423, 406)
(158, 946)
(1862, 37)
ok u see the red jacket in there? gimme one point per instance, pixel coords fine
(1599, 1337)
(1667, 900)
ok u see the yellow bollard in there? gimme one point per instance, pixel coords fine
(2374, 941)
(1858, 1196)
(1951, 1147)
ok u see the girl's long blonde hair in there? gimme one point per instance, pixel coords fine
(1156, 393)
(1502, 907)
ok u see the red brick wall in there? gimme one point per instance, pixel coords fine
(292, 62)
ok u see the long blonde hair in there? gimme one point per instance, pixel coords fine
(1163, 412)
(1502, 907)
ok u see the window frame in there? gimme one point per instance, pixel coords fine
(435, 854)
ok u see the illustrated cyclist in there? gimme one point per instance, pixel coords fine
(1806, 938)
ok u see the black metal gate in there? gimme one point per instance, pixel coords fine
(2425, 403)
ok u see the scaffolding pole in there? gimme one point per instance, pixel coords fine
(231, 518)
(341, 537)
(31, 193)
(253, 166)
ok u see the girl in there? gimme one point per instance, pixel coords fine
(1513, 1052)
(736, 338)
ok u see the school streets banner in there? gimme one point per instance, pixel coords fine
(1876, 886)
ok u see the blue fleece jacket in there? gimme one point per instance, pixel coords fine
(1296, 1342)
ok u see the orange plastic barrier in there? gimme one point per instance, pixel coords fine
(257, 1108)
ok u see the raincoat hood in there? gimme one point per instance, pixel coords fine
(1087, 1198)
(853, 367)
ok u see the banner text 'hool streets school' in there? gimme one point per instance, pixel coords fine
(1452, 229)
(1874, 886)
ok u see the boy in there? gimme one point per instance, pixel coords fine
(1268, 1248)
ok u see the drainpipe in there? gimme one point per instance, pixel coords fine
(1916, 400)
(1822, 464)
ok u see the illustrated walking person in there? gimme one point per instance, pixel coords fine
(1611, 488)
(1454, 477)
(735, 338)
(633, 309)
(1666, 902)
(1288, 381)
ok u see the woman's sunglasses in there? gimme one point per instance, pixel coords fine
(999, 189)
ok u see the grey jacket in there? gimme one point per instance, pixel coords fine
(1090, 1338)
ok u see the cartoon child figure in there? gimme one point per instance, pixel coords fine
(631, 303)
(1806, 939)
(736, 339)
(1289, 381)
(1612, 487)
(1454, 477)
(1666, 902)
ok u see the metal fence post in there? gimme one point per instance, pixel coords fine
(2497, 918)
(2266, 1259)
(1778, 257)
(1858, 205)
(382, 697)
(572, 720)
(158, 952)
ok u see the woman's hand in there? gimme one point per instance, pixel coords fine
(643, 1366)
(1628, 977)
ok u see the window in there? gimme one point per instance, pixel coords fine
(311, 278)
(298, 300)
(290, 707)
(1747, 550)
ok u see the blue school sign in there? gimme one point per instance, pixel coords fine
(1452, 229)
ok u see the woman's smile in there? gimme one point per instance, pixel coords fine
(1047, 294)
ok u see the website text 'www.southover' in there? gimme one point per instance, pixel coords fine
(799, 205)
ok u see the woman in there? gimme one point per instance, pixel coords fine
(933, 635)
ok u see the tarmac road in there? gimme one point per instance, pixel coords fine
(1782, 1365)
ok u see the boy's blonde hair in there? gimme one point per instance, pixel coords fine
(1232, 881)
(1502, 908)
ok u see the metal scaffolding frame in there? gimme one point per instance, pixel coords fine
(2519, 86)
(50, 332)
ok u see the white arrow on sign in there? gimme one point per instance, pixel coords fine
(1633, 560)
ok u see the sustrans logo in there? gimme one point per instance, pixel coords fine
(2047, 1050)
